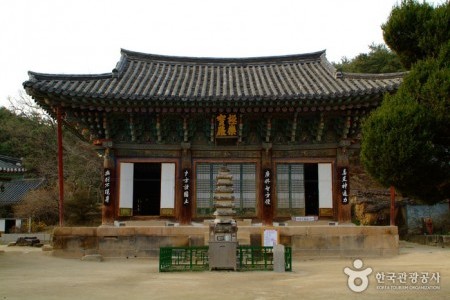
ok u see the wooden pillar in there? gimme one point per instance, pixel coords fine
(185, 207)
(342, 187)
(109, 188)
(267, 210)
(60, 166)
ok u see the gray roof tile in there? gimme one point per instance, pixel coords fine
(147, 77)
(15, 190)
(10, 165)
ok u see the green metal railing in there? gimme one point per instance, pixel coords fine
(249, 258)
(183, 259)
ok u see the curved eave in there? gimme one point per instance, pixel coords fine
(146, 80)
(49, 101)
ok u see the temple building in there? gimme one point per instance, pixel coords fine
(285, 126)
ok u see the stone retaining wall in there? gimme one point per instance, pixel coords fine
(431, 240)
(306, 241)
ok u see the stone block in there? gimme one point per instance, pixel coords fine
(175, 241)
(303, 242)
(325, 230)
(107, 231)
(147, 253)
(59, 242)
(328, 253)
(62, 231)
(360, 253)
(112, 253)
(148, 231)
(445, 241)
(145, 223)
(47, 248)
(116, 243)
(84, 231)
(293, 230)
(278, 259)
(196, 240)
(245, 222)
(243, 237)
(353, 242)
(185, 230)
(155, 242)
(374, 242)
(92, 257)
(88, 242)
(329, 242)
(73, 243)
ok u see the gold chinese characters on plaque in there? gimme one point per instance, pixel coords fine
(226, 125)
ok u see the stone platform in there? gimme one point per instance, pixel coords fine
(306, 240)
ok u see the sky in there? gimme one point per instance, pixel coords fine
(85, 36)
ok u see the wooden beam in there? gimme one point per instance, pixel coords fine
(268, 129)
(320, 127)
(294, 127)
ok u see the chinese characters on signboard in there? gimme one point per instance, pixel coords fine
(107, 186)
(186, 186)
(226, 125)
(344, 185)
(267, 192)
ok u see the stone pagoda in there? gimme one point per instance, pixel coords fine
(224, 198)
(223, 231)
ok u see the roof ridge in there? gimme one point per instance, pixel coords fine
(223, 60)
(43, 76)
(373, 75)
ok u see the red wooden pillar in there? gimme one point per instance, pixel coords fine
(266, 205)
(60, 166)
(109, 192)
(184, 204)
(344, 214)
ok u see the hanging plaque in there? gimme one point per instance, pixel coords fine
(344, 185)
(226, 126)
(186, 186)
(267, 187)
(106, 186)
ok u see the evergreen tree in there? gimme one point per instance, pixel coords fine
(379, 60)
(406, 141)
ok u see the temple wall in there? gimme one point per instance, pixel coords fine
(306, 241)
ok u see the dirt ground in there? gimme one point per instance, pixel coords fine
(29, 273)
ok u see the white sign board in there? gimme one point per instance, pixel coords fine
(270, 237)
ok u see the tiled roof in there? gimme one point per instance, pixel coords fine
(10, 165)
(142, 78)
(13, 191)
